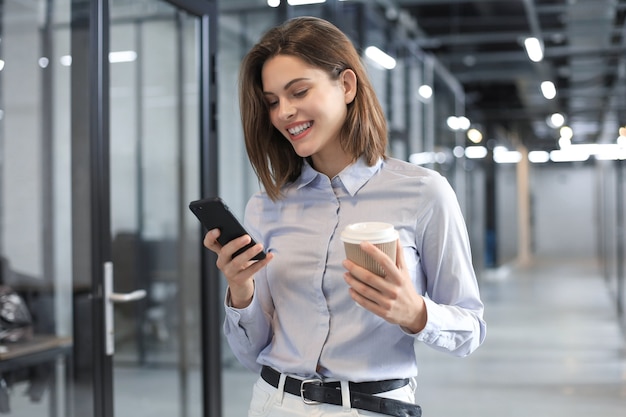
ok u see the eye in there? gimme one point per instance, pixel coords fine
(301, 93)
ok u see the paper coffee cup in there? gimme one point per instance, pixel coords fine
(381, 235)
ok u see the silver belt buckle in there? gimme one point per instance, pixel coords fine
(309, 381)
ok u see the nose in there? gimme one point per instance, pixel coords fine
(285, 109)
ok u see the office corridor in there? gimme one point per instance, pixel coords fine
(553, 349)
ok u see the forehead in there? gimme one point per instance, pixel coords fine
(280, 70)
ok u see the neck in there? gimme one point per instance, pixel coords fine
(330, 166)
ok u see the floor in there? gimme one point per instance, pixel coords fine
(554, 348)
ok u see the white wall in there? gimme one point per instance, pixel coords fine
(563, 209)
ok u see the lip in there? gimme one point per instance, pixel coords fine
(304, 132)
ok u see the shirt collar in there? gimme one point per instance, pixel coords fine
(353, 177)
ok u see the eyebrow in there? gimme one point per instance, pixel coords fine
(289, 84)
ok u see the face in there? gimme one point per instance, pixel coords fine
(306, 106)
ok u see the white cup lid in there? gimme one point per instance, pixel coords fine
(373, 232)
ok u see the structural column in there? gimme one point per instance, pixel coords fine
(524, 251)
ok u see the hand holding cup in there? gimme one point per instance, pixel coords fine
(381, 235)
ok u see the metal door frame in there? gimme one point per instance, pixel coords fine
(93, 377)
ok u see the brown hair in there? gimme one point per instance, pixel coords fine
(322, 45)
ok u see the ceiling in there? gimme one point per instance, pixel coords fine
(481, 44)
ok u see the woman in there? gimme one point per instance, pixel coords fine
(330, 337)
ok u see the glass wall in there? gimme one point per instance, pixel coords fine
(45, 235)
(154, 168)
(35, 215)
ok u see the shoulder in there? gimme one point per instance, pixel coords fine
(399, 167)
(429, 186)
(395, 168)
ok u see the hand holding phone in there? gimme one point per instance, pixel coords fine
(213, 213)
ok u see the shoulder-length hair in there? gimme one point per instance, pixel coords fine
(321, 45)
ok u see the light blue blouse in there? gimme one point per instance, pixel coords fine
(302, 320)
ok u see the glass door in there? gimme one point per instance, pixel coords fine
(154, 172)
(143, 96)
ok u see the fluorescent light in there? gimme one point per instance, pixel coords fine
(566, 132)
(609, 151)
(502, 155)
(556, 120)
(122, 56)
(508, 157)
(424, 158)
(474, 135)
(582, 152)
(1, 64)
(571, 154)
(538, 157)
(66, 60)
(425, 91)
(464, 123)
(534, 49)
(548, 89)
(475, 152)
(303, 2)
(564, 142)
(380, 57)
(273, 3)
(458, 122)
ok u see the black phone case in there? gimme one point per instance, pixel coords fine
(213, 213)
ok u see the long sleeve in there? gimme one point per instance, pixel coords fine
(455, 310)
(247, 331)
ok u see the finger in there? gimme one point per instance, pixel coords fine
(400, 262)
(210, 240)
(236, 244)
(364, 295)
(227, 262)
(243, 277)
(250, 253)
(388, 264)
(356, 288)
(365, 277)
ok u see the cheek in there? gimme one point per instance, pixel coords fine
(273, 119)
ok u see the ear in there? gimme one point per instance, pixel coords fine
(348, 78)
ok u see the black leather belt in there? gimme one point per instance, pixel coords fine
(317, 391)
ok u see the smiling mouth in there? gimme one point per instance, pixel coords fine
(296, 130)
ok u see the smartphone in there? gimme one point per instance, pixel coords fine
(213, 213)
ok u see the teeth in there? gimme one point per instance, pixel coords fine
(299, 129)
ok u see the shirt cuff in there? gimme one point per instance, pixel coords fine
(239, 315)
(431, 331)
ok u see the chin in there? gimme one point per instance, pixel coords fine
(302, 151)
